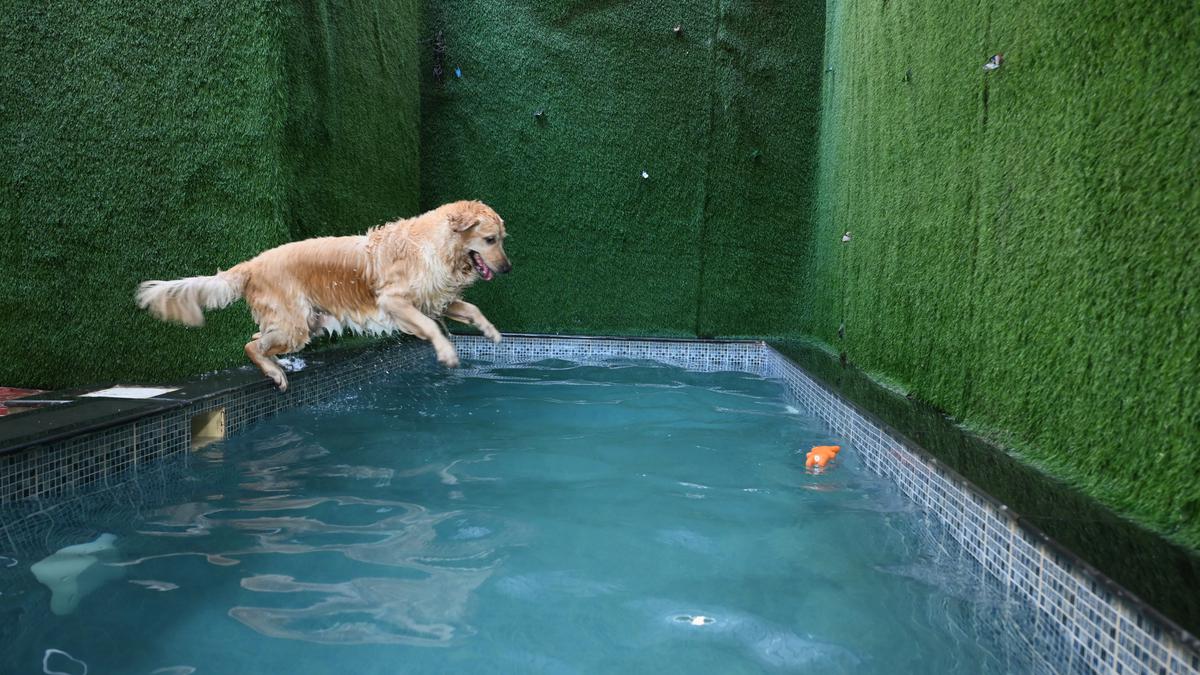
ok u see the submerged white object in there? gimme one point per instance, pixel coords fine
(72, 572)
(58, 652)
(846, 237)
(645, 175)
(130, 392)
(154, 585)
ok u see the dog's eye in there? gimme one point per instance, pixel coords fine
(490, 240)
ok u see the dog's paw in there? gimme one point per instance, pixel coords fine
(280, 380)
(448, 359)
(492, 334)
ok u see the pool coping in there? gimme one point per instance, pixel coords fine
(132, 436)
(84, 415)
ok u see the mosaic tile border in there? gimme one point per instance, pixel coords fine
(698, 355)
(1075, 616)
(39, 479)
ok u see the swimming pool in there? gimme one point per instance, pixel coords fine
(551, 517)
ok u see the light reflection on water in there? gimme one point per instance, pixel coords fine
(424, 607)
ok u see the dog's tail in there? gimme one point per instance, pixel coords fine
(184, 300)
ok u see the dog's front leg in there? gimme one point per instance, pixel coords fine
(412, 321)
(465, 312)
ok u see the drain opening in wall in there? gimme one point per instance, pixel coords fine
(207, 427)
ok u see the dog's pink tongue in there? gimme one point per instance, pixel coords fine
(481, 267)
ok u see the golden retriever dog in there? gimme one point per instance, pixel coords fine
(400, 276)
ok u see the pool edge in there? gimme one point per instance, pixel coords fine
(1095, 620)
(930, 483)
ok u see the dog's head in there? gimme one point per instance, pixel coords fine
(481, 236)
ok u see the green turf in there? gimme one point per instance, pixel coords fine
(1025, 247)
(155, 140)
(351, 121)
(723, 119)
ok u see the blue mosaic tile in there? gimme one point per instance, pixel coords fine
(1076, 626)
(58, 470)
(700, 356)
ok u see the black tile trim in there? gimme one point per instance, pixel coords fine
(85, 415)
(76, 417)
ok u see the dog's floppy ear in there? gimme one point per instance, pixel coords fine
(461, 222)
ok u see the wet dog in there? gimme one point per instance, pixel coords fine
(400, 276)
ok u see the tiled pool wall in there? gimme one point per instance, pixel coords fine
(44, 486)
(1075, 623)
(748, 357)
(1077, 616)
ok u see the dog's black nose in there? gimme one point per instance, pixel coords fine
(506, 267)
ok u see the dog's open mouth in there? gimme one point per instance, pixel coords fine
(481, 267)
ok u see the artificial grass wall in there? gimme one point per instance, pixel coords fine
(147, 140)
(1025, 244)
(351, 114)
(723, 119)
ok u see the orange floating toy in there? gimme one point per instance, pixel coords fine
(821, 455)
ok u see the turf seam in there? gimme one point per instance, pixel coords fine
(976, 211)
(705, 193)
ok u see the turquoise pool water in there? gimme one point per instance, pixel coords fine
(558, 517)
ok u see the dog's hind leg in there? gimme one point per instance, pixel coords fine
(271, 341)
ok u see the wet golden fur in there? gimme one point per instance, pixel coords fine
(400, 276)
